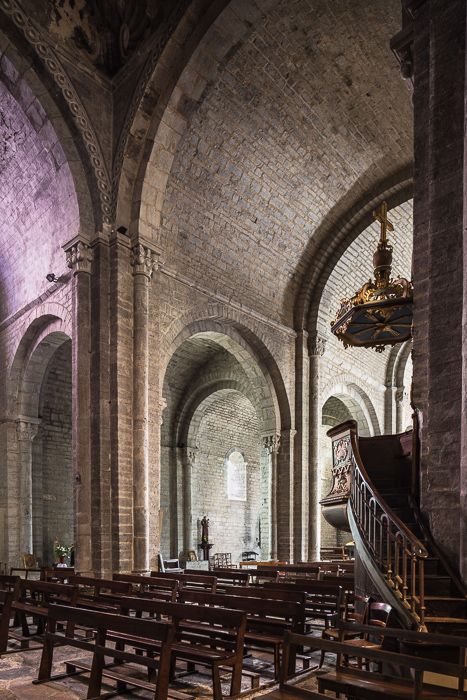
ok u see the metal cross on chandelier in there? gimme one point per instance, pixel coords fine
(380, 313)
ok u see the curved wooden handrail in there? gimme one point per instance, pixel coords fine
(380, 501)
(397, 552)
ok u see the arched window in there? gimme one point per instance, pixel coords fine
(236, 475)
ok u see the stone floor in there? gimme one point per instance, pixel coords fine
(19, 669)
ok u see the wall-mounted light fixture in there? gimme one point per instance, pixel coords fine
(51, 277)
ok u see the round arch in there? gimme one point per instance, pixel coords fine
(358, 403)
(250, 351)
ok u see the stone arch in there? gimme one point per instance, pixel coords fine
(249, 348)
(37, 440)
(358, 403)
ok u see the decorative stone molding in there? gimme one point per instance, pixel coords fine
(316, 345)
(50, 59)
(78, 256)
(144, 260)
(271, 443)
(163, 34)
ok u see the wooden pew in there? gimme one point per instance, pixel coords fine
(6, 602)
(157, 635)
(266, 593)
(321, 597)
(194, 581)
(155, 587)
(57, 575)
(32, 599)
(358, 684)
(93, 590)
(8, 583)
(227, 577)
(206, 636)
(266, 620)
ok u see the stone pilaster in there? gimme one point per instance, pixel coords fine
(121, 394)
(271, 443)
(26, 431)
(285, 493)
(189, 465)
(144, 262)
(301, 505)
(439, 254)
(316, 349)
(79, 257)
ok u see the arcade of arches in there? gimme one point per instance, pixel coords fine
(179, 219)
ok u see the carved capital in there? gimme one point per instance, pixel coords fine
(271, 443)
(26, 430)
(79, 256)
(143, 260)
(399, 394)
(316, 345)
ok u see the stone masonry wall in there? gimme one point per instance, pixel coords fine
(52, 476)
(229, 422)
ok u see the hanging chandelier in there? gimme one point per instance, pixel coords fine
(380, 313)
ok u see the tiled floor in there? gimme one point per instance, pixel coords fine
(18, 670)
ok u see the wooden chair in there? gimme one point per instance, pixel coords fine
(350, 608)
(378, 616)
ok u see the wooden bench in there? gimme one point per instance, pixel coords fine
(156, 587)
(192, 581)
(266, 620)
(432, 677)
(227, 577)
(321, 598)
(57, 575)
(8, 583)
(92, 591)
(158, 635)
(204, 636)
(31, 600)
(333, 553)
(6, 602)
(357, 684)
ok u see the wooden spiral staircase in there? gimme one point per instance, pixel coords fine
(374, 496)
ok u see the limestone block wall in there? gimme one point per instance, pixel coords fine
(51, 468)
(229, 423)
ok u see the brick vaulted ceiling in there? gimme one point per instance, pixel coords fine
(307, 113)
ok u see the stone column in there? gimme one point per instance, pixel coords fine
(144, 261)
(26, 431)
(316, 348)
(301, 504)
(271, 443)
(79, 257)
(188, 464)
